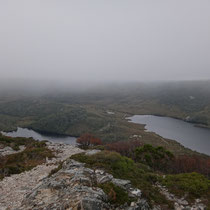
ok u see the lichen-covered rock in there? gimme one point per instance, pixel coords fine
(75, 187)
(103, 177)
(141, 204)
(125, 184)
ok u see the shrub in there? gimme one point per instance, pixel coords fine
(15, 142)
(87, 140)
(194, 184)
(34, 154)
(188, 164)
(125, 148)
(116, 195)
(157, 158)
(125, 168)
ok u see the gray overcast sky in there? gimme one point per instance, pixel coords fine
(105, 39)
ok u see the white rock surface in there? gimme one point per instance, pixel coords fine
(8, 150)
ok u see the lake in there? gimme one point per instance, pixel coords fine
(25, 132)
(187, 134)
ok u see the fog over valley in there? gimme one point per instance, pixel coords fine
(105, 104)
(105, 40)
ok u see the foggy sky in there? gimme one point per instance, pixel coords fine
(105, 40)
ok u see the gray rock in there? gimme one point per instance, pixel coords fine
(125, 184)
(105, 178)
(92, 152)
(156, 208)
(74, 187)
(134, 192)
(90, 204)
(140, 205)
(182, 202)
(102, 176)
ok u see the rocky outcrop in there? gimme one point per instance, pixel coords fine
(181, 203)
(73, 187)
(76, 187)
(13, 189)
(8, 150)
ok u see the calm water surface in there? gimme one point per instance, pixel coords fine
(24, 132)
(185, 133)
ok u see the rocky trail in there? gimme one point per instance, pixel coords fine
(73, 187)
(14, 188)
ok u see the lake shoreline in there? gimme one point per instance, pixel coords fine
(200, 125)
(49, 133)
(187, 134)
(37, 135)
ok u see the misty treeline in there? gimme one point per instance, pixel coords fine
(194, 94)
(165, 92)
(74, 109)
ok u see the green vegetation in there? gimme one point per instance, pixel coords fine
(86, 112)
(195, 184)
(192, 185)
(76, 113)
(68, 118)
(157, 158)
(34, 154)
(125, 168)
(188, 185)
(14, 143)
(116, 195)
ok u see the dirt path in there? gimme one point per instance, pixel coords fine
(14, 188)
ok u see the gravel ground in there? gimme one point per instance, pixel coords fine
(14, 188)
